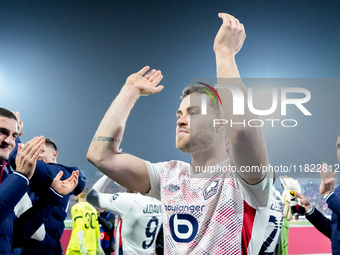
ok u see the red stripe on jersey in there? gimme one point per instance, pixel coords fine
(247, 228)
(2, 170)
(120, 235)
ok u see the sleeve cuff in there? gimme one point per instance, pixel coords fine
(310, 210)
(54, 197)
(327, 196)
(23, 176)
(155, 190)
(56, 192)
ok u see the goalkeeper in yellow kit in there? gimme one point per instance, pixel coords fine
(85, 236)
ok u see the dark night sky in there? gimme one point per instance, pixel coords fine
(63, 62)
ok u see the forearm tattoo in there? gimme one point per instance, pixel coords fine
(105, 139)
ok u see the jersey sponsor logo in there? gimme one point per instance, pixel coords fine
(211, 189)
(172, 188)
(114, 196)
(183, 227)
(187, 208)
(152, 209)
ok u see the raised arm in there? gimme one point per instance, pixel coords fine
(247, 143)
(104, 153)
(118, 203)
(327, 188)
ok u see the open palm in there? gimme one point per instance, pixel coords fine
(145, 81)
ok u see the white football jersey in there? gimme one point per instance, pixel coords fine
(274, 226)
(204, 215)
(141, 217)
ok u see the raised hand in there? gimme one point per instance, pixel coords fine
(327, 180)
(231, 35)
(66, 186)
(20, 123)
(146, 82)
(303, 200)
(27, 156)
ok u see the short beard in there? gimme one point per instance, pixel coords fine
(195, 142)
(182, 145)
